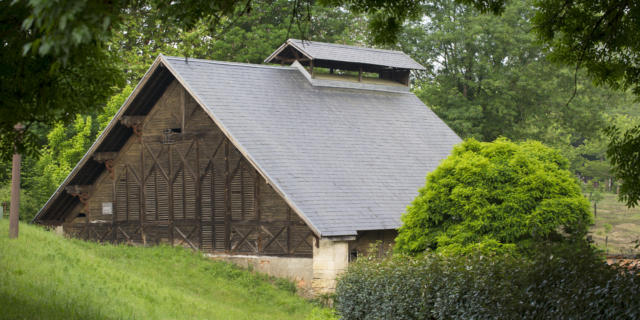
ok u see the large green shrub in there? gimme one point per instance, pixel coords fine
(560, 282)
(496, 196)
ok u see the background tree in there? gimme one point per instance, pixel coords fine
(602, 37)
(488, 77)
(496, 197)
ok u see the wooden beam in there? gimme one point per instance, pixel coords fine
(104, 156)
(131, 121)
(77, 189)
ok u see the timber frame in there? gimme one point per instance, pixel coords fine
(171, 174)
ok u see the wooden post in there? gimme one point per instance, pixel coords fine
(360, 75)
(311, 68)
(14, 211)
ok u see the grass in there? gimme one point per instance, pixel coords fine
(617, 228)
(46, 276)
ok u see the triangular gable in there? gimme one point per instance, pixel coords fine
(159, 63)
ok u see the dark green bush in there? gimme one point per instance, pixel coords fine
(560, 282)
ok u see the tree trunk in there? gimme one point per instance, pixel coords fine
(14, 211)
(15, 196)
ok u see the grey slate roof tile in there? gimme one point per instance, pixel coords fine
(350, 160)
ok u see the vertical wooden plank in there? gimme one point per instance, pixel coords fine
(155, 190)
(170, 185)
(256, 208)
(184, 190)
(213, 205)
(114, 208)
(183, 108)
(198, 195)
(289, 231)
(142, 200)
(242, 206)
(227, 198)
(126, 188)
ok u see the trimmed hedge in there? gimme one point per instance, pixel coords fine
(558, 283)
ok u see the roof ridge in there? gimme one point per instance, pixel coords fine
(237, 64)
(351, 46)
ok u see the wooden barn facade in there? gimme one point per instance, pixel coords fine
(257, 164)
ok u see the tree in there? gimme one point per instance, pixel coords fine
(604, 38)
(38, 89)
(495, 196)
(249, 38)
(624, 154)
(489, 77)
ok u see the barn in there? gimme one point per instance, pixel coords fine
(295, 167)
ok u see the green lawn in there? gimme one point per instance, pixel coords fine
(624, 225)
(45, 276)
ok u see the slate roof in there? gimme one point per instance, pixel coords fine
(348, 160)
(351, 54)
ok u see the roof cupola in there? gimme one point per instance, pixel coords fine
(348, 63)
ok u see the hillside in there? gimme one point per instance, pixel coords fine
(45, 276)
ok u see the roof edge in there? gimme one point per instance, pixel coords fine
(100, 138)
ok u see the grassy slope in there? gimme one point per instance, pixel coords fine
(625, 226)
(45, 276)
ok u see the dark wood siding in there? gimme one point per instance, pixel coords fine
(182, 182)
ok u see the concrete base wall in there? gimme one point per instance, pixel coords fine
(298, 270)
(330, 259)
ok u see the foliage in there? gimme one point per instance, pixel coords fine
(499, 196)
(28, 205)
(39, 90)
(604, 38)
(387, 17)
(249, 38)
(45, 276)
(624, 154)
(489, 77)
(65, 147)
(601, 36)
(560, 282)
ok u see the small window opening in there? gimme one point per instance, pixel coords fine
(353, 255)
(168, 135)
(81, 215)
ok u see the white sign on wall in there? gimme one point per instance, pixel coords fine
(107, 208)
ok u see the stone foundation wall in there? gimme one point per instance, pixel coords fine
(298, 270)
(330, 258)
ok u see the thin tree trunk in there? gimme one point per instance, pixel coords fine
(15, 196)
(14, 211)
